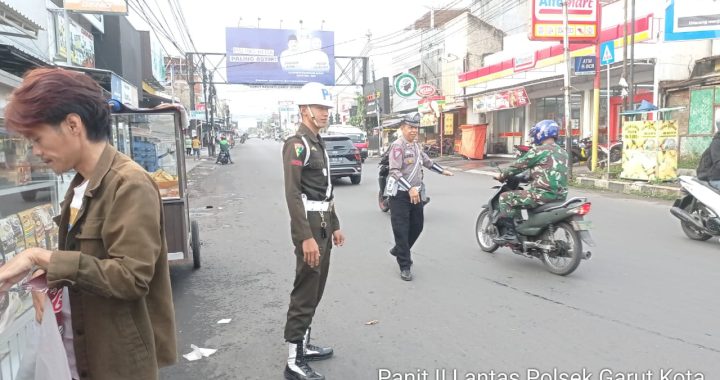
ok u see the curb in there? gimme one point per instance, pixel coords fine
(630, 187)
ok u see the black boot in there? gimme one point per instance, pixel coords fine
(313, 352)
(297, 367)
(509, 235)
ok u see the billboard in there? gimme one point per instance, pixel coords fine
(97, 6)
(692, 20)
(650, 150)
(377, 94)
(547, 20)
(280, 56)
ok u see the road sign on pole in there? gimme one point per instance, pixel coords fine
(607, 53)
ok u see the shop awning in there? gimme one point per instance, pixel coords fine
(17, 24)
(17, 62)
(103, 77)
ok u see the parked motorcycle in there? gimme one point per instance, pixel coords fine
(698, 210)
(616, 150)
(553, 233)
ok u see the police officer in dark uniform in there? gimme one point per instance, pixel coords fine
(314, 226)
(407, 193)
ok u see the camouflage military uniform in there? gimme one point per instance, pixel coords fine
(548, 180)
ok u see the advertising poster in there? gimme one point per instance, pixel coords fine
(692, 20)
(280, 56)
(668, 136)
(449, 121)
(650, 150)
(82, 43)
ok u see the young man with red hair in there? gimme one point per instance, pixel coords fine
(110, 274)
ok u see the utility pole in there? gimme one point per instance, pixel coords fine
(205, 98)
(631, 87)
(596, 98)
(568, 116)
(211, 139)
(625, 49)
(377, 114)
(191, 83)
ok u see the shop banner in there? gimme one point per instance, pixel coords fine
(449, 121)
(516, 97)
(650, 150)
(97, 6)
(280, 56)
(583, 20)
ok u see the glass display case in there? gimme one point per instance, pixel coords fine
(28, 203)
(151, 141)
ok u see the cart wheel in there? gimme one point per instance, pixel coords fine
(195, 243)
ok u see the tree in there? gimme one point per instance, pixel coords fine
(358, 120)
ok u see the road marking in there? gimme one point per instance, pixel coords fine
(483, 172)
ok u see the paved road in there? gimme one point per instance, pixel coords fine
(647, 301)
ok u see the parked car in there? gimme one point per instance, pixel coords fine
(357, 135)
(345, 159)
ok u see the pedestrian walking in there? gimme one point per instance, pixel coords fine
(110, 276)
(406, 190)
(314, 227)
(188, 146)
(196, 147)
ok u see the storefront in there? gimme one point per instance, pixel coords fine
(540, 72)
(505, 113)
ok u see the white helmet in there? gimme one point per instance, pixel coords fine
(315, 93)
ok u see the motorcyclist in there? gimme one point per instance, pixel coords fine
(224, 149)
(547, 164)
(709, 167)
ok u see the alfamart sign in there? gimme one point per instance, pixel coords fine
(547, 20)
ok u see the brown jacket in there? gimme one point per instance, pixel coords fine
(114, 261)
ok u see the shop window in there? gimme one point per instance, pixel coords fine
(28, 199)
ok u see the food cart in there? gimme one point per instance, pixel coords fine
(153, 137)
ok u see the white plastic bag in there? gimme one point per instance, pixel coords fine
(44, 357)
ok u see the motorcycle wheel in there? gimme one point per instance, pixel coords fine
(689, 230)
(601, 161)
(568, 242)
(383, 202)
(485, 231)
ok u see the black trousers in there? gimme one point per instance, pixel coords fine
(309, 284)
(407, 223)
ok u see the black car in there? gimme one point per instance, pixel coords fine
(345, 160)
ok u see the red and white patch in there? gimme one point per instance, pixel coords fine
(296, 163)
(397, 153)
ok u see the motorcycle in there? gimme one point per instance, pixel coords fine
(223, 158)
(698, 210)
(616, 150)
(553, 233)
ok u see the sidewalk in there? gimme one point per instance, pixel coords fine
(581, 175)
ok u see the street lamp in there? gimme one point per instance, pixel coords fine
(239, 21)
(280, 23)
(258, 22)
(322, 24)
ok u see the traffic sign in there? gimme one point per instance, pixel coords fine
(607, 53)
(585, 65)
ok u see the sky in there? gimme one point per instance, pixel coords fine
(351, 21)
